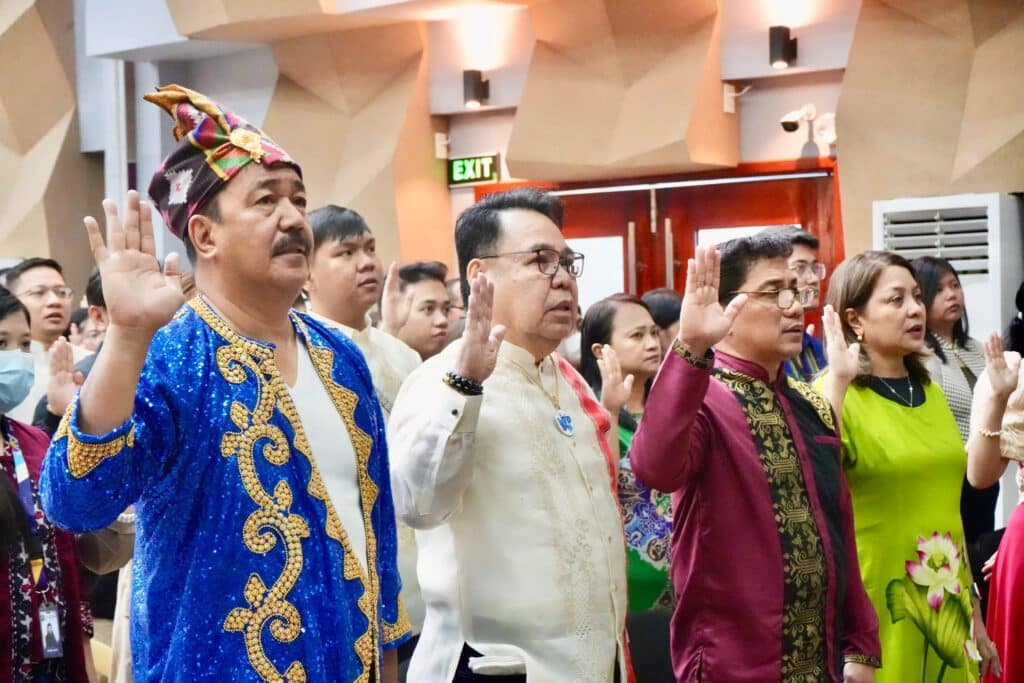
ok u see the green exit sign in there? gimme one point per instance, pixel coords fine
(474, 170)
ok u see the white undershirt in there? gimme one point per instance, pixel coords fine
(334, 455)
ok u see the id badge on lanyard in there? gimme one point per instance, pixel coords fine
(49, 615)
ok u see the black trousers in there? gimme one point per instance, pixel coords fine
(464, 674)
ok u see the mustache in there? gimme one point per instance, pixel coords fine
(290, 240)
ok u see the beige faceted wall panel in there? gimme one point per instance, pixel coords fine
(617, 92)
(352, 107)
(46, 183)
(932, 104)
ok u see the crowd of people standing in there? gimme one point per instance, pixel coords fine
(307, 466)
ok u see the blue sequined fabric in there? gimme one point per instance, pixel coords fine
(242, 568)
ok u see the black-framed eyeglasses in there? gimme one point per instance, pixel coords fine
(548, 261)
(805, 269)
(785, 298)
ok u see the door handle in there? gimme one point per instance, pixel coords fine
(631, 257)
(670, 259)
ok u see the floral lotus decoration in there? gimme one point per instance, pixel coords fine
(931, 596)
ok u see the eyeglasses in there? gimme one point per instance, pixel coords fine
(784, 297)
(805, 269)
(548, 261)
(60, 291)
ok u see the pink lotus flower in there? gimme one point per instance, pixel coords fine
(938, 568)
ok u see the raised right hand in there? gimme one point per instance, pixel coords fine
(64, 379)
(1002, 372)
(480, 341)
(702, 320)
(138, 295)
(394, 305)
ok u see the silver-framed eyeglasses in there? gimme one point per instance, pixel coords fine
(60, 291)
(805, 269)
(548, 261)
(785, 298)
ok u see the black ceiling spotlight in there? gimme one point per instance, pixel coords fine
(475, 90)
(781, 48)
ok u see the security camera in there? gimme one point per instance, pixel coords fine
(791, 121)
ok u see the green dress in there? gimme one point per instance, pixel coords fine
(647, 520)
(905, 466)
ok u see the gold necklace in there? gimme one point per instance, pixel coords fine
(563, 420)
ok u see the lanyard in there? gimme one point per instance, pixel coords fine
(33, 543)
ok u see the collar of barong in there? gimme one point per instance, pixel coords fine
(214, 144)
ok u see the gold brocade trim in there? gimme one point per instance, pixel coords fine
(400, 628)
(704, 362)
(803, 568)
(863, 659)
(819, 402)
(345, 400)
(83, 457)
(237, 361)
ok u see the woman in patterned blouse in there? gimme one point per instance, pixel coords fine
(624, 323)
(39, 575)
(957, 363)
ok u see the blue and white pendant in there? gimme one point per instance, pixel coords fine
(564, 422)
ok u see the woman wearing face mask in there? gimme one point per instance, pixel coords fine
(905, 464)
(40, 583)
(957, 364)
(624, 323)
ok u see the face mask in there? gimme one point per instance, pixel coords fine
(17, 373)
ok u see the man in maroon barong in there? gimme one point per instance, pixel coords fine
(763, 559)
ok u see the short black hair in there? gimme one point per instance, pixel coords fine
(664, 304)
(422, 270)
(739, 256)
(799, 237)
(10, 304)
(94, 290)
(78, 317)
(333, 223)
(479, 226)
(16, 272)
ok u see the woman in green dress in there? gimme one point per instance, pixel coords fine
(624, 323)
(904, 462)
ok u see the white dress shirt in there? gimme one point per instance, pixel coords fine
(521, 543)
(391, 361)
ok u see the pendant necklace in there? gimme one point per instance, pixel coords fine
(563, 420)
(910, 383)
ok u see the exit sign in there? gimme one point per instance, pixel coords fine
(474, 170)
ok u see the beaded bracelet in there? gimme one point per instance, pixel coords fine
(990, 433)
(463, 385)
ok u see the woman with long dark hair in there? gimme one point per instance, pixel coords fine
(43, 619)
(957, 364)
(905, 464)
(624, 323)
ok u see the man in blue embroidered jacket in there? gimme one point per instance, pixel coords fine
(247, 436)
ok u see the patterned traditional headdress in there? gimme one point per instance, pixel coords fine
(213, 145)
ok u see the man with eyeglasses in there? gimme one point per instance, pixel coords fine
(501, 462)
(810, 273)
(763, 559)
(39, 284)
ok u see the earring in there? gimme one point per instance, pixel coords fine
(860, 337)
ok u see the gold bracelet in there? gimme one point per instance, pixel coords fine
(990, 433)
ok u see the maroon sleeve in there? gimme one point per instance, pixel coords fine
(670, 443)
(860, 640)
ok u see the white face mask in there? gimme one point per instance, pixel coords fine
(17, 373)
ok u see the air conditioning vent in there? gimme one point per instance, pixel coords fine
(959, 235)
